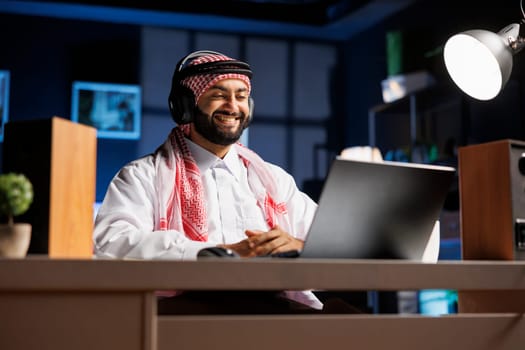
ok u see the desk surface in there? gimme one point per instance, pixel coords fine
(64, 302)
(40, 273)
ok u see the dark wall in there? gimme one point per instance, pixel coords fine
(425, 27)
(42, 70)
(44, 56)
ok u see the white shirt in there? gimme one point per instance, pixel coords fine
(124, 226)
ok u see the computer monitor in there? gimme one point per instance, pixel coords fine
(113, 109)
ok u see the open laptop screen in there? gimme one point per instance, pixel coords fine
(371, 210)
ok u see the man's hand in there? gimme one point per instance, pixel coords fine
(260, 243)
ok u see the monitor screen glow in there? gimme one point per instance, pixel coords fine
(4, 101)
(113, 109)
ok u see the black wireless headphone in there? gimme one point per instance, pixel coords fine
(181, 100)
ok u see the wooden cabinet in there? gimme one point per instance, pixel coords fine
(59, 157)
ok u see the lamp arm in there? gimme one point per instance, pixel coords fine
(518, 44)
(515, 34)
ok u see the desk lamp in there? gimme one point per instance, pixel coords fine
(480, 62)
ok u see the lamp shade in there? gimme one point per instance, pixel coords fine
(479, 62)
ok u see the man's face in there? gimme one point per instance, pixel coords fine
(222, 112)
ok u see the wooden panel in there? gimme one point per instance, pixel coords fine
(80, 321)
(37, 274)
(60, 161)
(486, 201)
(110, 304)
(488, 176)
(464, 332)
(491, 301)
(73, 179)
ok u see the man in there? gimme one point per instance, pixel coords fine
(201, 188)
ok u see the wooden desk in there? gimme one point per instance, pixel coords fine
(110, 304)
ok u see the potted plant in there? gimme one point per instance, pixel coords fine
(16, 195)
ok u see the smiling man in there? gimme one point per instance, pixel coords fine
(221, 116)
(201, 188)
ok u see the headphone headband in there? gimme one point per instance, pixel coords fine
(219, 67)
(193, 55)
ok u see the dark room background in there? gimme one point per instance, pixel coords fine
(313, 93)
(317, 87)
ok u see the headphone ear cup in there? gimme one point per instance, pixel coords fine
(181, 104)
(250, 110)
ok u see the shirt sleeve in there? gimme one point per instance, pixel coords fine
(124, 226)
(301, 208)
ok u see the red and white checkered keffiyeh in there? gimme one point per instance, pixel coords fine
(199, 84)
(180, 191)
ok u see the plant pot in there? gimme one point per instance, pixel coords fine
(14, 240)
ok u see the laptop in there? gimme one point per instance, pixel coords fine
(370, 210)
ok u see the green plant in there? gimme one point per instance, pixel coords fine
(16, 195)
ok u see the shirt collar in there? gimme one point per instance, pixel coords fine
(206, 160)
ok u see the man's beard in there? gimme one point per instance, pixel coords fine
(204, 125)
